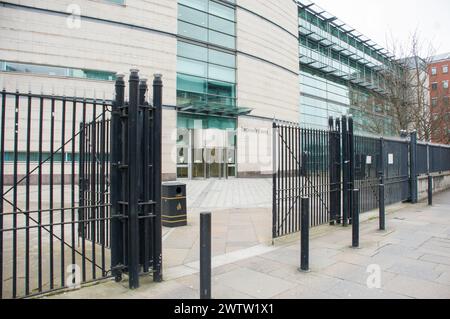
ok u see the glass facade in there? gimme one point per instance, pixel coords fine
(206, 78)
(341, 74)
(56, 71)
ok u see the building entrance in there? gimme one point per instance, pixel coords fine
(206, 153)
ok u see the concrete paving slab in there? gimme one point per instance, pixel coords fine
(254, 283)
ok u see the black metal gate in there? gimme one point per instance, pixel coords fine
(80, 181)
(43, 223)
(306, 163)
(327, 165)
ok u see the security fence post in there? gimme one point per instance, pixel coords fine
(430, 190)
(116, 156)
(333, 168)
(382, 211)
(304, 238)
(351, 158)
(133, 176)
(345, 172)
(157, 175)
(355, 219)
(274, 181)
(381, 188)
(413, 166)
(205, 256)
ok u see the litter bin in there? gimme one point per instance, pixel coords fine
(173, 204)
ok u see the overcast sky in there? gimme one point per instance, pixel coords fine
(377, 19)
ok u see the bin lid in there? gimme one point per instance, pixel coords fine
(173, 184)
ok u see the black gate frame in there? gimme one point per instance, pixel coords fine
(299, 155)
(136, 181)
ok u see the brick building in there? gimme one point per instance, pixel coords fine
(439, 75)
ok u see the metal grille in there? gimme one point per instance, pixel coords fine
(327, 166)
(367, 171)
(396, 171)
(42, 220)
(439, 158)
(302, 168)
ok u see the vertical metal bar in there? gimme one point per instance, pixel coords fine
(285, 181)
(345, 169)
(83, 165)
(430, 190)
(351, 144)
(382, 211)
(157, 119)
(41, 123)
(274, 181)
(93, 175)
(27, 200)
(413, 166)
(62, 186)
(205, 256)
(133, 209)
(381, 195)
(304, 238)
(331, 146)
(52, 155)
(116, 151)
(279, 180)
(297, 180)
(338, 160)
(16, 141)
(72, 225)
(289, 168)
(145, 158)
(355, 219)
(103, 189)
(2, 172)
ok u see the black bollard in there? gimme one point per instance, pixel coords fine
(304, 238)
(355, 219)
(205, 256)
(382, 212)
(430, 190)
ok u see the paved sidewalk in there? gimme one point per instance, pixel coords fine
(413, 254)
(242, 217)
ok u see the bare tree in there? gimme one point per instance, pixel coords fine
(407, 83)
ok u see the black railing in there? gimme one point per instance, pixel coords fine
(81, 189)
(328, 165)
(42, 219)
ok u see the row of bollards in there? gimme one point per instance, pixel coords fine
(205, 233)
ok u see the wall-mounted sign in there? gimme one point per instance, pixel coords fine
(390, 159)
(368, 159)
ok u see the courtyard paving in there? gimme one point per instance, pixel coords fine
(413, 255)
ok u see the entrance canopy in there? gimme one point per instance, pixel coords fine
(214, 109)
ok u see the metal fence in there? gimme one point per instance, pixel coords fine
(301, 162)
(327, 165)
(41, 217)
(80, 181)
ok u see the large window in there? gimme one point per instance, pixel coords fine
(206, 68)
(207, 21)
(56, 71)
